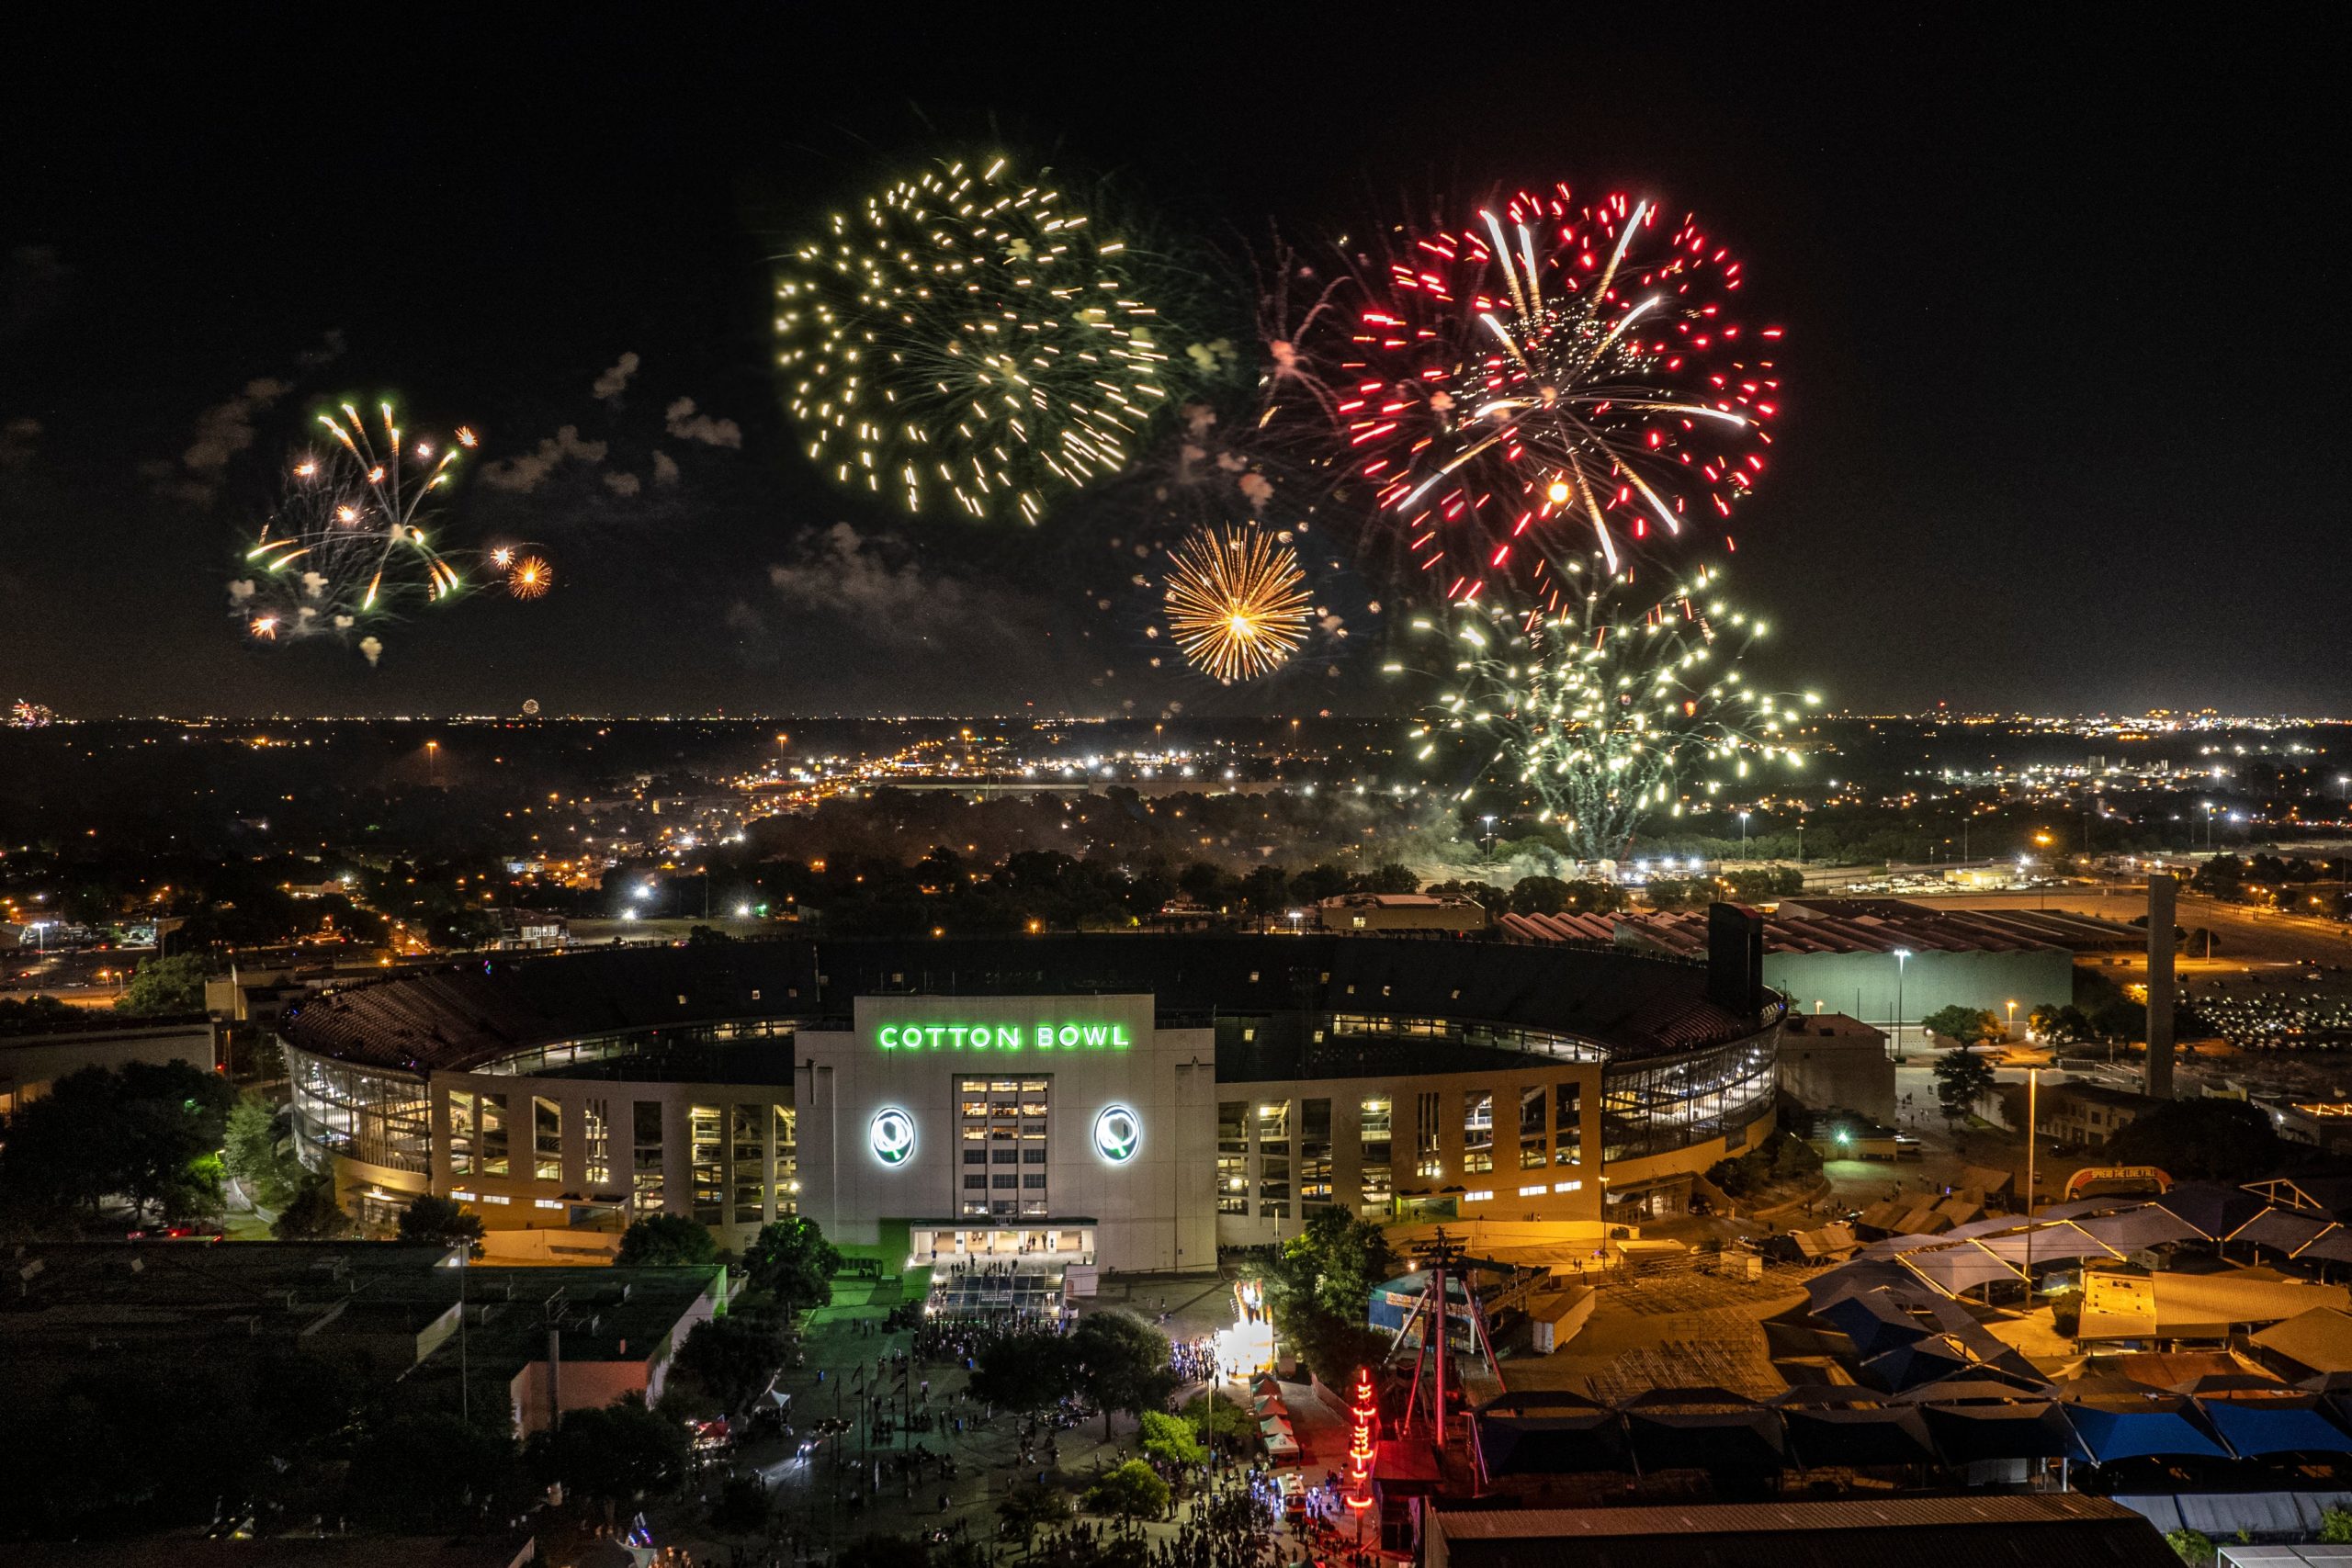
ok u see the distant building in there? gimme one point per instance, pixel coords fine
(30, 1062)
(569, 1337)
(1400, 913)
(2324, 1123)
(1831, 1062)
(530, 929)
(1873, 958)
(2086, 1115)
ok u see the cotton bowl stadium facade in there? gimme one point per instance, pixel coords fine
(1137, 1103)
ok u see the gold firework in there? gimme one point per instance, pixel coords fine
(530, 578)
(1237, 603)
(967, 341)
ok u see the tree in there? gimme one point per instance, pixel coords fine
(148, 1133)
(311, 1214)
(791, 1260)
(621, 1451)
(436, 1222)
(1218, 1420)
(2065, 1025)
(37, 1015)
(1125, 1363)
(1026, 1506)
(666, 1241)
(259, 1156)
(1319, 1288)
(733, 1357)
(1024, 1370)
(1970, 1026)
(1265, 891)
(1961, 1077)
(1131, 1491)
(1169, 1440)
(165, 986)
(2195, 1140)
(429, 1470)
(1539, 895)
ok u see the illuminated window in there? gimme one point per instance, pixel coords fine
(1315, 1151)
(1001, 1120)
(495, 1161)
(546, 1139)
(597, 1130)
(461, 1133)
(1477, 1130)
(1533, 1156)
(747, 1176)
(645, 1156)
(1232, 1157)
(1427, 1159)
(1568, 1124)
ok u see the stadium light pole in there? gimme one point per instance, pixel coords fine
(1902, 957)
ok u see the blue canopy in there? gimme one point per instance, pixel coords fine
(1876, 1321)
(2141, 1429)
(2255, 1427)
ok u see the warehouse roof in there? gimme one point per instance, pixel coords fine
(1845, 925)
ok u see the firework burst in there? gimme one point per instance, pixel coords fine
(354, 537)
(1550, 379)
(1237, 601)
(1609, 712)
(968, 339)
(530, 578)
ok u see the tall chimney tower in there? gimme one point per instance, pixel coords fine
(2162, 895)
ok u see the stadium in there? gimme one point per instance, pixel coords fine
(1129, 1101)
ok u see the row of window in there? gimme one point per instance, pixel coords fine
(1549, 1131)
(1004, 1120)
(740, 1157)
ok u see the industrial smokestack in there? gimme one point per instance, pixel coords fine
(2162, 893)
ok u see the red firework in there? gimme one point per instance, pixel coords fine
(1551, 381)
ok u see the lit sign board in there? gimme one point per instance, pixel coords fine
(891, 1135)
(1118, 1133)
(1002, 1037)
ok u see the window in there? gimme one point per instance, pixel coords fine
(747, 1175)
(976, 1181)
(1655, 1107)
(703, 1133)
(1426, 1159)
(461, 1132)
(1273, 1159)
(1568, 1187)
(1533, 1155)
(1232, 1157)
(645, 1156)
(1374, 1153)
(1567, 1123)
(783, 1123)
(1315, 1151)
(1477, 1130)
(1004, 1120)
(546, 1139)
(1477, 1197)
(597, 1133)
(492, 1110)
(1540, 1189)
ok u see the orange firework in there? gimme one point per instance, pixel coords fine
(530, 578)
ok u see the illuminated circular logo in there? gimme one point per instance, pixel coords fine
(1118, 1132)
(891, 1137)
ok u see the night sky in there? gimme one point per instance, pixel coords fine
(2064, 428)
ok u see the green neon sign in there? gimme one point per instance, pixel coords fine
(1002, 1037)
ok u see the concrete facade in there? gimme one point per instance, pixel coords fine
(1831, 1062)
(1105, 1125)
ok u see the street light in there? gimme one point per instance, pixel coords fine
(2013, 1018)
(1743, 833)
(1489, 822)
(1902, 957)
